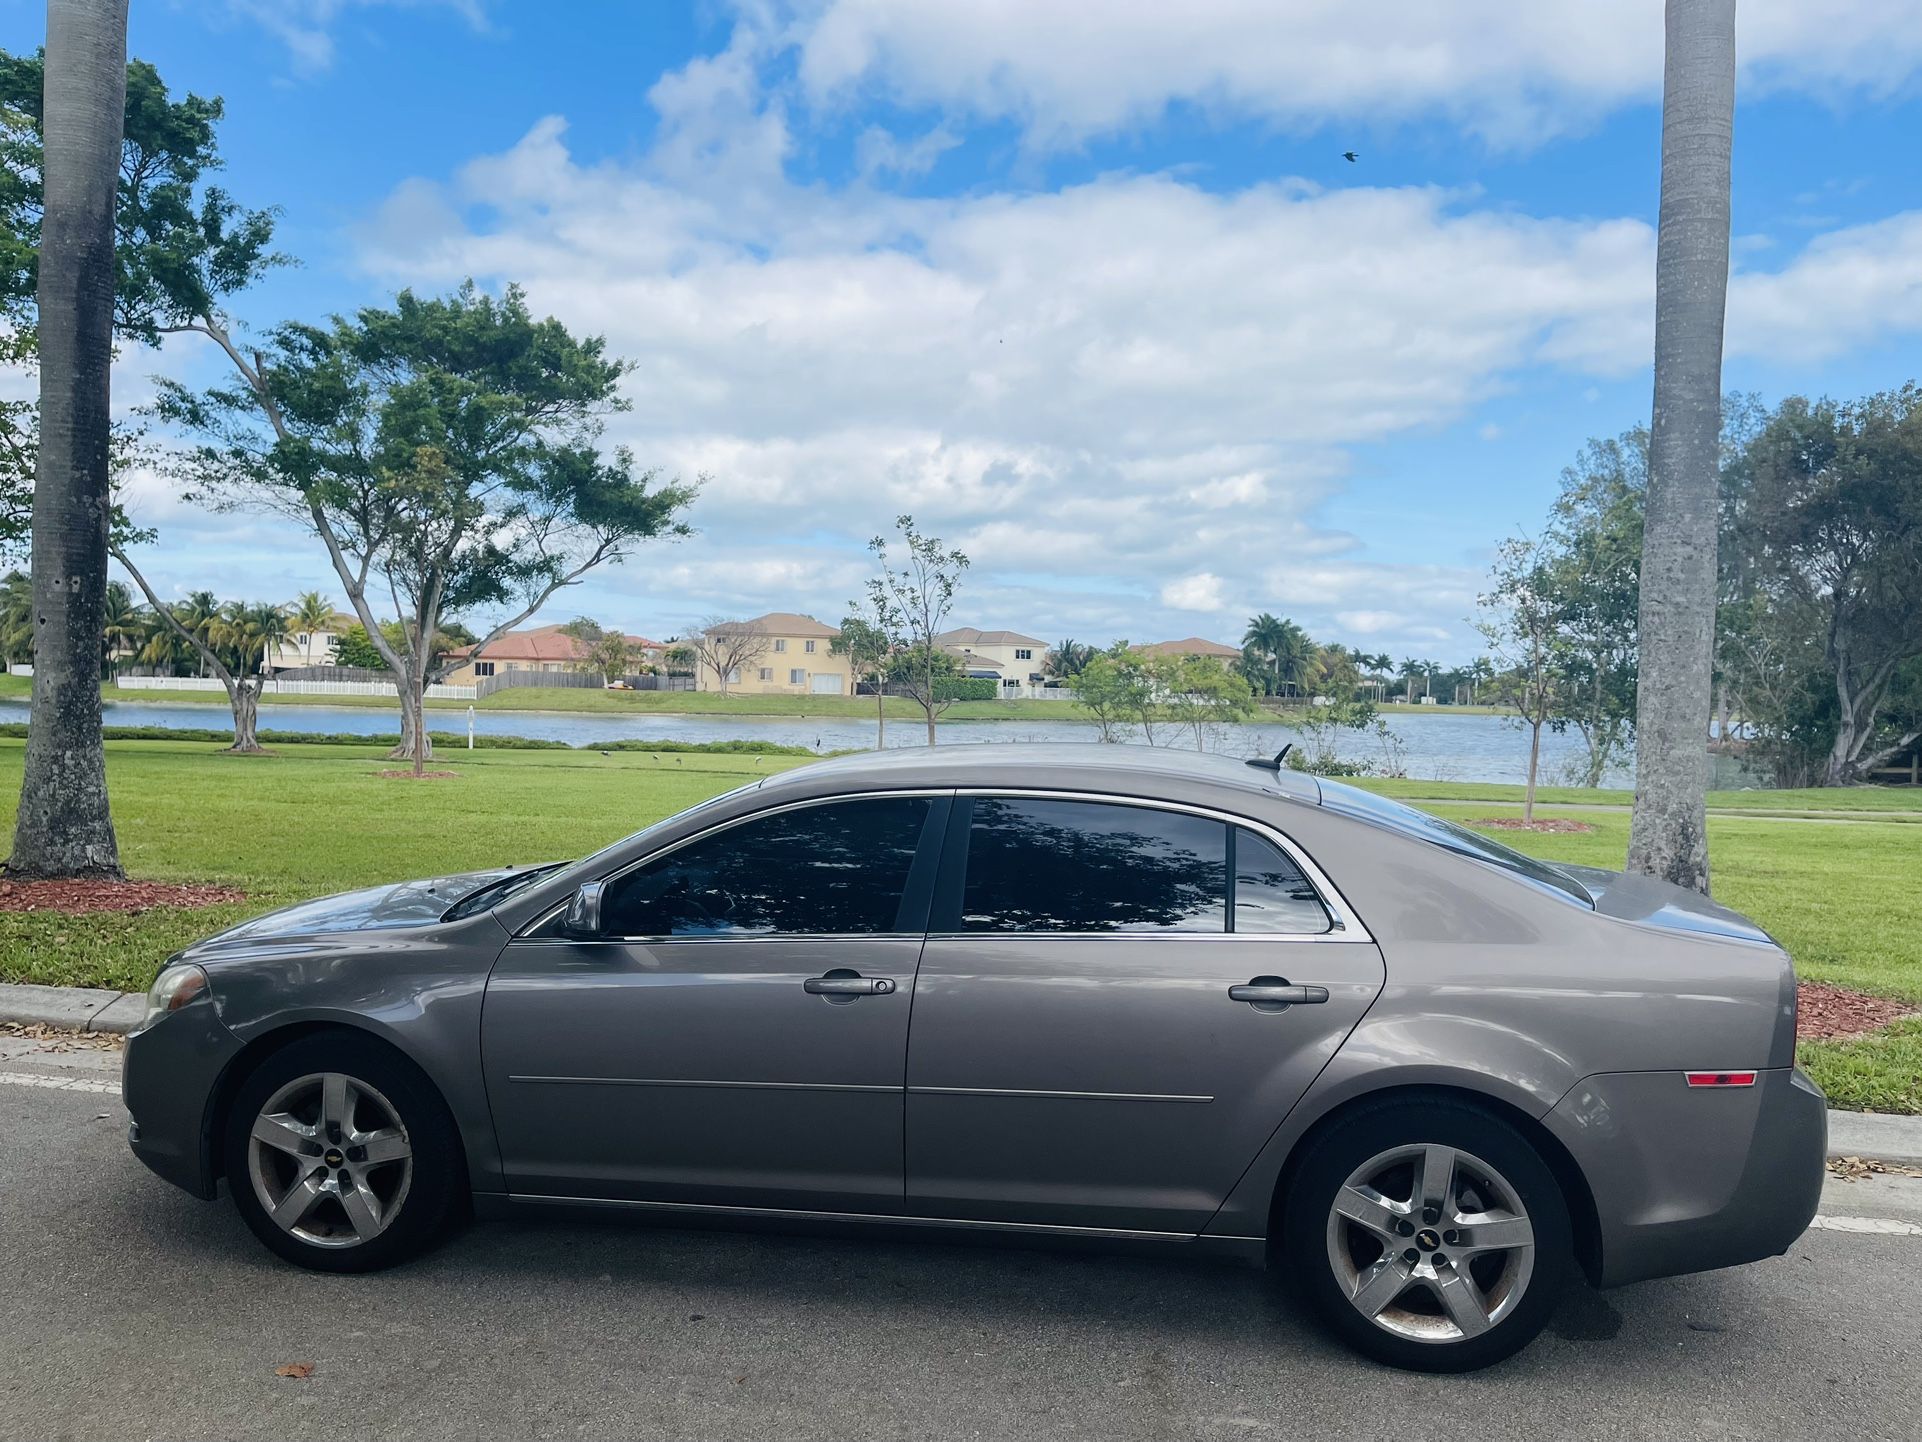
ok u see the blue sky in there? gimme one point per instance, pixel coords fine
(1105, 306)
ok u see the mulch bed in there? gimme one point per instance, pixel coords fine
(1824, 1012)
(1558, 824)
(72, 898)
(421, 776)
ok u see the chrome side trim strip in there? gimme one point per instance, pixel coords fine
(798, 1214)
(637, 1081)
(1054, 1095)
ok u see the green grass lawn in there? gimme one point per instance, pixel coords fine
(312, 819)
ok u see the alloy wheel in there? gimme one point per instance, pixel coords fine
(330, 1160)
(1430, 1243)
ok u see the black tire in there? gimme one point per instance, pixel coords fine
(1370, 1132)
(436, 1181)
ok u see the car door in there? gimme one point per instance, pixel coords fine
(1117, 1005)
(737, 1034)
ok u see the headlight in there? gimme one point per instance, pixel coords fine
(171, 990)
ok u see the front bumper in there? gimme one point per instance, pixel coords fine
(1686, 1179)
(169, 1077)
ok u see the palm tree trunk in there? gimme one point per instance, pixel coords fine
(1668, 834)
(65, 827)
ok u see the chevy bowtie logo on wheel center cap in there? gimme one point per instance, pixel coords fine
(1427, 1239)
(334, 1157)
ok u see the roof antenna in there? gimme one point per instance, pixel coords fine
(1273, 763)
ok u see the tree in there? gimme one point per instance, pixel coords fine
(868, 648)
(445, 450)
(311, 613)
(230, 642)
(604, 653)
(1277, 655)
(1521, 623)
(16, 618)
(1833, 516)
(912, 604)
(1113, 689)
(136, 248)
(354, 647)
(726, 647)
(1668, 832)
(121, 627)
(1590, 569)
(1067, 659)
(65, 826)
(1198, 694)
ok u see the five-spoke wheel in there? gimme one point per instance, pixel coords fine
(330, 1160)
(1429, 1234)
(341, 1155)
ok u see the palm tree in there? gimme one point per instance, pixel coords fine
(1260, 644)
(310, 614)
(16, 618)
(1068, 659)
(242, 634)
(199, 613)
(65, 826)
(1668, 833)
(1409, 669)
(122, 627)
(162, 648)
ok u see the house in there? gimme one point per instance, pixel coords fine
(780, 654)
(308, 648)
(1008, 657)
(1191, 647)
(544, 649)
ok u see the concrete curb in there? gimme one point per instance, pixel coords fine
(1878, 1135)
(74, 1008)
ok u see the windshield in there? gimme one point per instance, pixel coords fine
(1366, 806)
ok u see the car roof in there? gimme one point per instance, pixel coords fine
(1043, 764)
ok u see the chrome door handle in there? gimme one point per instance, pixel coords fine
(1274, 994)
(848, 984)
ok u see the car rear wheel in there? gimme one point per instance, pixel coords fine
(1428, 1235)
(341, 1156)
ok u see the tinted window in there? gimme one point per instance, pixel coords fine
(1085, 866)
(837, 868)
(1271, 894)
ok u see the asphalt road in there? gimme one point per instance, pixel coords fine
(128, 1309)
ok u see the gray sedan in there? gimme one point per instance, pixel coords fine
(1081, 993)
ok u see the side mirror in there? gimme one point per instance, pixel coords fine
(583, 916)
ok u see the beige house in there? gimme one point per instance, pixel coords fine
(308, 648)
(1192, 646)
(1014, 660)
(779, 654)
(544, 649)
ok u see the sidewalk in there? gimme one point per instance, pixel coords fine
(1877, 1135)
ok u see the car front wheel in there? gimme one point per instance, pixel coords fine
(1429, 1235)
(341, 1156)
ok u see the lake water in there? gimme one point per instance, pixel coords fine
(1437, 747)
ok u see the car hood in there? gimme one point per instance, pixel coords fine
(1659, 903)
(402, 904)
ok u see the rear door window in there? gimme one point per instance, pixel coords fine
(1037, 864)
(1272, 896)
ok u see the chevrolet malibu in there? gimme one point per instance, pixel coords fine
(1080, 992)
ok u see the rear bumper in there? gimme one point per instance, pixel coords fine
(168, 1078)
(1686, 1179)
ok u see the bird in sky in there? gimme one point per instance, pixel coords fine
(1350, 156)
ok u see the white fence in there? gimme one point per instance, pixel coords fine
(291, 688)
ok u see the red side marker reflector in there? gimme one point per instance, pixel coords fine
(1720, 1078)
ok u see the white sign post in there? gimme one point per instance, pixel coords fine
(470, 728)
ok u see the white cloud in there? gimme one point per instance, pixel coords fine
(1514, 73)
(1101, 393)
(1847, 288)
(306, 27)
(1199, 592)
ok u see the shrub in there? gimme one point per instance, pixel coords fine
(965, 688)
